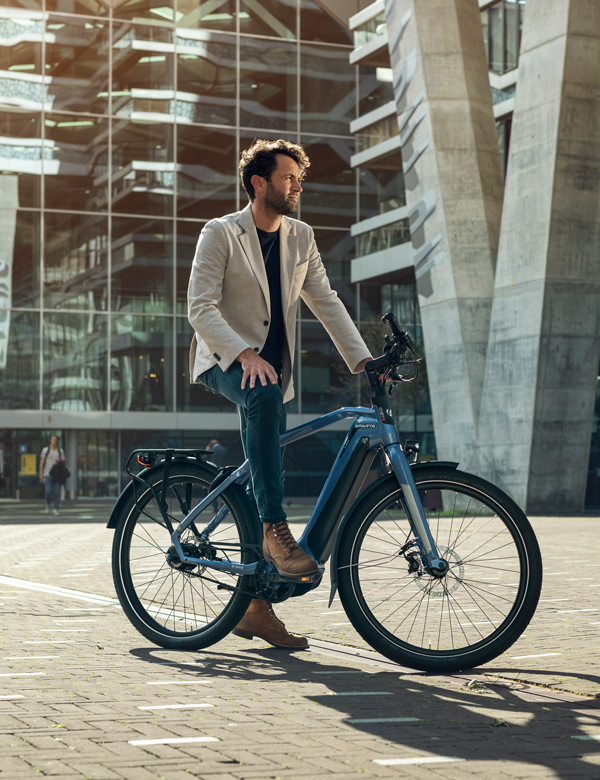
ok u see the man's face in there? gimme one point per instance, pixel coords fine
(53, 442)
(284, 188)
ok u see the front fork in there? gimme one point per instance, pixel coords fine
(435, 565)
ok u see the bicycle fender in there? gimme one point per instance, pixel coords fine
(415, 467)
(127, 491)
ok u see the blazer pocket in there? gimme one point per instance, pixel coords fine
(301, 267)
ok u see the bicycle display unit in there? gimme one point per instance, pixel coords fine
(436, 569)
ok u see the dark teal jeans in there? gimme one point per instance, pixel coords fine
(262, 418)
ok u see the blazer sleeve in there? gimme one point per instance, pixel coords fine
(204, 295)
(325, 304)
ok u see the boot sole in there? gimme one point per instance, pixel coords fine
(248, 635)
(307, 576)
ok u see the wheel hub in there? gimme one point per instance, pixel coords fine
(444, 582)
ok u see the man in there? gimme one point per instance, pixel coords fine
(250, 270)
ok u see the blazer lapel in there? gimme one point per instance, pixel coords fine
(288, 247)
(251, 246)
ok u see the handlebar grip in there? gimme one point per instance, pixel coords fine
(389, 320)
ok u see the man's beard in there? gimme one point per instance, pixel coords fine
(277, 203)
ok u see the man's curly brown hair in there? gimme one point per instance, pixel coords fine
(261, 160)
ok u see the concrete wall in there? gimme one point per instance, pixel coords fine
(454, 187)
(544, 343)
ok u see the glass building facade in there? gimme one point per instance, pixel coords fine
(120, 132)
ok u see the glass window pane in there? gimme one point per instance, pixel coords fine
(496, 21)
(382, 238)
(142, 265)
(337, 251)
(77, 64)
(512, 34)
(87, 7)
(142, 168)
(206, 172)
(21, 153)
(317, 25)
(275, 18)
(206, 82)
(142, 80)
(19, 360)
(97, 464)
(19, 257)
(194, 397)
(141, 378)
(485, 28)
(75, 262)
(76, 162)
(327, 89)
(187, 238)
(375, 88)
(21, 51)
(142, 10)
(75, 351)
(29, 5)
(323, 370)
(329, 196)
(268, 93)
(215, 15)
(381, 190)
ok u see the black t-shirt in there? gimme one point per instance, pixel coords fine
(272, 351)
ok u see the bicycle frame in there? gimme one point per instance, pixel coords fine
(368, 435)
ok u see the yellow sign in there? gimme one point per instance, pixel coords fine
(29, 464)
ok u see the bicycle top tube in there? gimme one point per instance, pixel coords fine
(306, 429)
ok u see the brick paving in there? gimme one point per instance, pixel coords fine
(77, 674)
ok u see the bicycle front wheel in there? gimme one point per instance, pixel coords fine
(177, 605)
(463, 619)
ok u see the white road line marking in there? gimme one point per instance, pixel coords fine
(56, 591)
(382, 720)
(592, 609)
(75, 620)
(84, 609)
(540, 655)
(555, 573)
(172, 741)
(421, 760)
(11, 696)
(24, 674)
(357, 693)
(174, 706)
(589, 737)
(65, 630)
(28, 657)
(344, 671)
(554, 600)
(334, 612)
(49, 642)
(180, 682)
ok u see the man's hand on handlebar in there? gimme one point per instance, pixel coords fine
(254, 366)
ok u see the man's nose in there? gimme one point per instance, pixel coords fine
(297, 187)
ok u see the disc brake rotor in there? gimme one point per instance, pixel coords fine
(438, 587)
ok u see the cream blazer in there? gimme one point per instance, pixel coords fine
(229, 305)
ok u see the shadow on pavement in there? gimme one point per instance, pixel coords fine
(501, 721)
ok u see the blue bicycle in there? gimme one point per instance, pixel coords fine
(438, 570)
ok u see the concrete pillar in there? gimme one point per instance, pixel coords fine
(544, 344)
(454, 189)
(71, 456)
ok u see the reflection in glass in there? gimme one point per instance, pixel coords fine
(21, 50)
(76, 64)
(87, 7)
(317, 25)
(206, 172)
(75, 261)
(496, 35)
(193, 397)
(19, 257)
(206, 82)
(142, 77)
(142, 265)
(336, 248)
(329, 196)
(143, 168)
(275, 18)
(382, 238)
(377, 133)
(268, 89)
(381, 190)
(210, 16)
(187, 238)
(97, 463)
(21, 154)
(142, 10)
(370, 30)
(327, 88)
(375, 88)
(75, 354)
(322, 368)
(30, 5)
(76, 162)
(141, 377)
(19, 360)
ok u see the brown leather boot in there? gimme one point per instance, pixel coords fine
(261, 621)
(280, 548)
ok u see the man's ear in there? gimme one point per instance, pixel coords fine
(258, 183)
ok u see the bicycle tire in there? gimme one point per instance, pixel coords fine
(170, 606)
(413, 633)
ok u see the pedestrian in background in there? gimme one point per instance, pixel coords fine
(50, 457)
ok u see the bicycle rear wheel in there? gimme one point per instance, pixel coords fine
(463, 619)
(167, 601)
